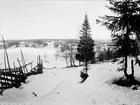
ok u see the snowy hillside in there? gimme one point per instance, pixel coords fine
(61, 86)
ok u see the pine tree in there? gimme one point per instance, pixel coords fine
(85, 49)
(123, 28)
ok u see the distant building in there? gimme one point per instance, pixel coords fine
(22, 44)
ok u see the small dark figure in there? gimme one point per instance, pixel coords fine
(84, 76)
(34, 94)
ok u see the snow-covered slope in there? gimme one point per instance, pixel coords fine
(61, 87)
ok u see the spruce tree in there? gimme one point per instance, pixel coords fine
(85, 49)
(123, 31)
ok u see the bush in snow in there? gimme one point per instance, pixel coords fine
(105, 55)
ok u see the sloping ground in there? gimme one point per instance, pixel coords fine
(94, 91)
(62, 87)
(39, 84)
(99, 88)
(64, 94)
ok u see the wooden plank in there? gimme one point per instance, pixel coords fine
(17, 72)
(13, 75)
(34, 69)
(4, 83)
(4, 88)
(17, 78)
(9, 82)
(7, 79)
(7, 70)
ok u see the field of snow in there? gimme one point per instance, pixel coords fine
(30, 54)
(61, 86)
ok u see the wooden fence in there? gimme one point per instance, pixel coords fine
(13, 77)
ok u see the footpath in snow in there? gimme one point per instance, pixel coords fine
(94, 91)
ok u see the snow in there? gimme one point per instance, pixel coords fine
(30, 54)
(61, 86)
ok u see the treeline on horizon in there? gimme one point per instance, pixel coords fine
(97, 41)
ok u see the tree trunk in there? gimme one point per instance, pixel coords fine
(138, 41)
(86, 65)
(132, 68)
(125, 69)
(66, 62)
(71, 62)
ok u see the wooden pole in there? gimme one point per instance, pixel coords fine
(22, 63)
(132, 68)
(5, 70)
(31, 65)
(1, 83)
(14, 65)
(7, 56)
(14, 68)
(42, 62)
(39, 59)
(23, 60)
(20, 67)
(16, 72)
(6, 53)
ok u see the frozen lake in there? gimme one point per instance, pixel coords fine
(30, 54)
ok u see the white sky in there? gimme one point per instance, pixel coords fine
(32, 19)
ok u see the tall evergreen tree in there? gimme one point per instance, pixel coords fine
(85, 49)
(123, 28)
